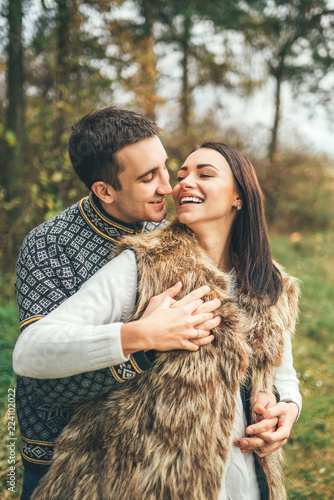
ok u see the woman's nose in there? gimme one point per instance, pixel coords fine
(188, 182)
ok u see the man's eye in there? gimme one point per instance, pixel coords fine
(179, 179)
(149, 178)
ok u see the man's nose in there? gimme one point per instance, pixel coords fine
(164, 187)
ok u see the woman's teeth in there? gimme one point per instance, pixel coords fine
(190, 199)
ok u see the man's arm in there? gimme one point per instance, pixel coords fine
(69, 391)
(87, 331)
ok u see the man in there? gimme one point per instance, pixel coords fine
(119, 157)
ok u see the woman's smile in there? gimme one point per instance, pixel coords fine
(190, 199)
(206, 189)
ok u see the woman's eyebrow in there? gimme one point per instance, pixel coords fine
(201, 165)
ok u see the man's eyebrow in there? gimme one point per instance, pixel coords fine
(201, 165)
(148, 172)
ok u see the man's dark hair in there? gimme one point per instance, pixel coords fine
(98, 136)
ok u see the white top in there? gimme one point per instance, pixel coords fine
(83, 334)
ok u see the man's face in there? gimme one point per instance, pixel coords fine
(144, 181)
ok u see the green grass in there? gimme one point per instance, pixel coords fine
(9, 331)
(309, 453)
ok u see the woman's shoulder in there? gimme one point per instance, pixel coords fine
(291, 284)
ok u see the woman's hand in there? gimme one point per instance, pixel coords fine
(271, 433)
(168, 324)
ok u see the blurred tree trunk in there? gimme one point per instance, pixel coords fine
(185, 98)
(147, 72)
(15, 96)
(12, 169)
(62, 68)
(284, 32)
(135, 59)
(278, 74)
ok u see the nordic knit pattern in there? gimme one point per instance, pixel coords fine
(56, 258)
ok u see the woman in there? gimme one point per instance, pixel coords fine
(167, 434)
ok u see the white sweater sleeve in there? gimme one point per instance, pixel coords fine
(286, 379)
(83, 333)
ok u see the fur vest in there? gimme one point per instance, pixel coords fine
(165, 434)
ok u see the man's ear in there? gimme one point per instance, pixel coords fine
(104, 191)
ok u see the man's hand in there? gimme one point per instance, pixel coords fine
(168, 324)
(271, 433)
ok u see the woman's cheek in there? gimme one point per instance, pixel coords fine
(175, 193)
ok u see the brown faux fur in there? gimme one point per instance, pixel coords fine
(165, 434)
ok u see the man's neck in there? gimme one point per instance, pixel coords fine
(106, 209)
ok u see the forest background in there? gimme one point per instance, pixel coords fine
(181, 63)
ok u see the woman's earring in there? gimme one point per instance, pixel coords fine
(239, 207)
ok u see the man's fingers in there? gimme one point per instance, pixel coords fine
(192, 297)
(204, 340)
(172, 291)
(199, 334)
(209, 306)
(209, 325)
(165, 297)
(202, 319)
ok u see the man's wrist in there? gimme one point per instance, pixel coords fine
(132, 338)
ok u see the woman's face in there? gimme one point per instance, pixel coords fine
(206, 190)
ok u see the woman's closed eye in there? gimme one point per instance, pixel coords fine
(201, 176)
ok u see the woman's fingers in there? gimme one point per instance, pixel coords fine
(258, 445)
(266, 450)
(265, 425)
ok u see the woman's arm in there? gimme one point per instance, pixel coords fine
(286, 379)
(266, 437)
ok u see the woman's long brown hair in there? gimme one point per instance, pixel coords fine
(250, 241)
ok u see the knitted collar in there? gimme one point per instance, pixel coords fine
(103, 223)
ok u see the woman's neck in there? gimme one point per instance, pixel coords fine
(217, 245)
